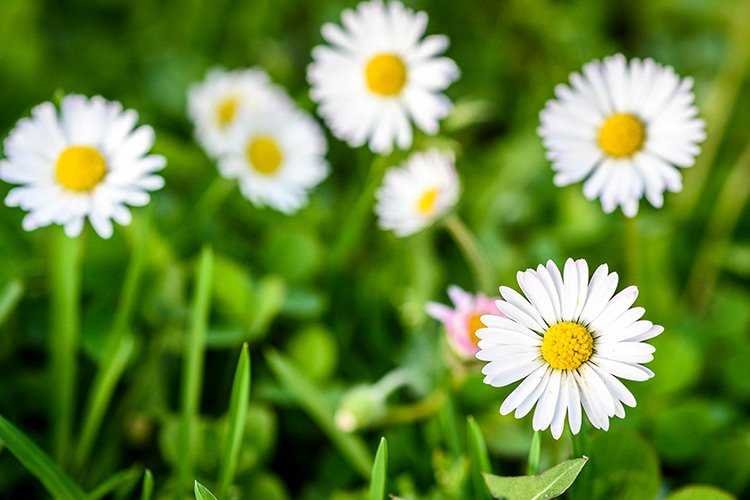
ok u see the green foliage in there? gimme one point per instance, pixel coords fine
(549, 484)
(699, 492)
(379, 475)
(203, 493)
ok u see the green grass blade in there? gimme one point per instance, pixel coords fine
(65, 277)
(480, 460)
(311, 400)
(203, 493)
(122, 482)
(9, 298)
(379, 474)
(147, 489)
(38, 463)
(235, 420)
(192, 370)
(535, 451)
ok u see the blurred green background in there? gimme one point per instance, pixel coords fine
(346, 313)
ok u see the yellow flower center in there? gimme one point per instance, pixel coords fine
(80, 168)
(264, 154)
(385, 74)
(427, 203)
(567, 345)
(474, 324)
(622, 135)
(226, 111)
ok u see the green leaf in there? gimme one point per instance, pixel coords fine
(549, 484)
(147, 489)
(235, 421)
(480, 461)
(535, 451)
(9, 298)
(700, 492)
(308, 396)
(379, 472)
(38, 463)
(122, 482)
(203, 493)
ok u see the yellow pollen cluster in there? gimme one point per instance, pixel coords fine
(567, 345)
(622, 135)
(428, 201)
(473, 324)
(226, 111)
(385, 74)
(264, 154)
(80, 168)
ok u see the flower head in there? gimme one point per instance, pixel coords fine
(218, 102)
(462, 321)
(86, 160)
(569, 339)
(624, 126)
(379, 73)
(415, 195)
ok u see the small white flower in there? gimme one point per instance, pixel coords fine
(277, 156)
(216, 103)
(379, 73)
(86, 161)
(570, 339)
(415, 195)
(625, 126)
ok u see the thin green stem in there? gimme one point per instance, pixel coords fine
(467, 243)
(718, 109)
(65, 282)
(535, 451)
(729, 205)
(192, 370)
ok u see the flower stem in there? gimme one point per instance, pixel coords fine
(535, 452)
(467, 243)
(65, 281)
(729, 205)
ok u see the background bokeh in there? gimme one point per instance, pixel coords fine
(346, 313)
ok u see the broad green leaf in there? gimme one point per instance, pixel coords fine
(203, 493)
(236, 420)
(480, 461)
(147, 488)
(379, 472)
(311, 400)
(700, 492)
(549, 484)
(122, 483)
(38, 463)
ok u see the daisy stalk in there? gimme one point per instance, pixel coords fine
(467, 243)
(65, 282)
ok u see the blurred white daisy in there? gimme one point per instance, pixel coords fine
(277, 156)
(415, 195)
(570, 339)
(626, 127)
(379, 73)
(86, 161)
(216, 103)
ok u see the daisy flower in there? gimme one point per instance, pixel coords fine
(626, 127)
(462, 321)
(87, 160)
(277, 156)
(216, 104)
(570, 340)
(415, 195)
(379, 73)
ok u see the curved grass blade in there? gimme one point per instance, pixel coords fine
(203, 493)
(549, 484)
(147, 489)
(122, 483)
(38, 463)
(235, 421)
(379, 474)
(480, 461)
(311, 400)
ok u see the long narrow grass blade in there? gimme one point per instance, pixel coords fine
(235, 421)
(38, 463)
(379, 474)
(147, 488)
(311, 400)
(192, 370)
(480, 460)
(203, 493)
(535, 452)
(122, 483)
(9, 298)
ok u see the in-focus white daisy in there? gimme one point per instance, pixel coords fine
(216, 103)
(277, 156)
(415, 195)
(570, 339)
(379, 73)
(86, 161)
(626, 127)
